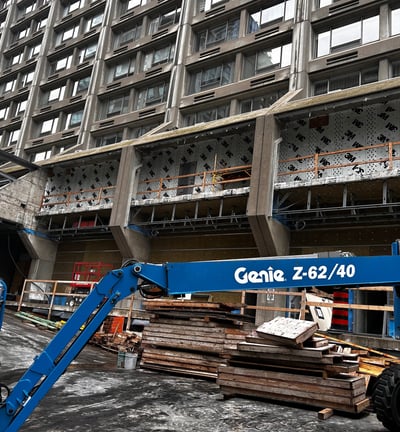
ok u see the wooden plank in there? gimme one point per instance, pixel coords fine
(287, 329)
(179, 371)
(320, 399)
(345, 382)
(317, 353)
(355, 408)
(325, 414)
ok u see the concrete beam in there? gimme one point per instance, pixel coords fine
(131, 243)
(43, 253)
(271, 237)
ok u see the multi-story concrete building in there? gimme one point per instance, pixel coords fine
(196, 129)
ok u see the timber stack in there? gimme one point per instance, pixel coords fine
(284, 360)
(191, 338)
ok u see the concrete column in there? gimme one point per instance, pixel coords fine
(132, 243)
(42, 251)
(272, 238)
(301, 48)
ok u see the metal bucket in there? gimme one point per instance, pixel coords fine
(130, 360)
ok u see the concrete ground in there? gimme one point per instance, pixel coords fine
(95, 395)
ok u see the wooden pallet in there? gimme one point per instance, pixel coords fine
(286, 362)
(190, 338)
(346, 393)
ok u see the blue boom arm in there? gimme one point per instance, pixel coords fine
(183, 278)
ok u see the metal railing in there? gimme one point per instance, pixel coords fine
(212, 180)
(319, 162)
(92, 197)
(51, 296)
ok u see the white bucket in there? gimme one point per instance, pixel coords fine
(130, 360)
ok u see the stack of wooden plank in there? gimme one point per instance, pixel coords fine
(190, 337)
(284, 361)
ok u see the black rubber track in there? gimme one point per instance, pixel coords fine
(386, 398)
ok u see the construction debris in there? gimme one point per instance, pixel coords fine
(190, 338)
(288, 370)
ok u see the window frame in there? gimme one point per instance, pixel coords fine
(258, 20)
(49, 126)
(203, 37)
(324, 40)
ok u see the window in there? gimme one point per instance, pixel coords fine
(27, 78)
(208, 115)
(4, 4)
(40, 24)
(13, 137)
(21, 107)
(353, 79)
(152, 95)
(127, 36)
(131, 4)
(117, 105)
(396, 69)
(87, 52)
(267, 16)
(74, 118)
(30, 8)
(159, 56)
(140, 131)
(9, 86)
(56, 94)
(80, 86)
(67, 34)
(164, 20)
(17, 59)
(266, 60)
(33, 51)
(212, 77)
(49, 126)
(94, 22)
(260, 102)
(61, 64)
(4, 112)
(218, 34)
(22, 33)
(205, 5)
(71, 7)
(323, 3)
(37, 157)
(123, 69)
(109, 139)
(348, 36)
(395, 22)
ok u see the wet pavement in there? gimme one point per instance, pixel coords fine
(95, 395)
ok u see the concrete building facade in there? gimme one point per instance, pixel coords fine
(196, 129)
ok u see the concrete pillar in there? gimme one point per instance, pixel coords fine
(131, 243)
(42, 251)
(271, 237)
(301, 48)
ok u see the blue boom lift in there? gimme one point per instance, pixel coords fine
(193, 277)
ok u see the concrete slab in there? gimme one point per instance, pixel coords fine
(94, 395)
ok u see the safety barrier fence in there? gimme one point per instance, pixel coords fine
(53, 296)
(196, 182)
(317, 162)
(81, 197)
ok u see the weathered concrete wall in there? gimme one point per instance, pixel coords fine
(21, 199)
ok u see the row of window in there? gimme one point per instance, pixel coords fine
(327, 42)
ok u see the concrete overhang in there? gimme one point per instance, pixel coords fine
(340, 100)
